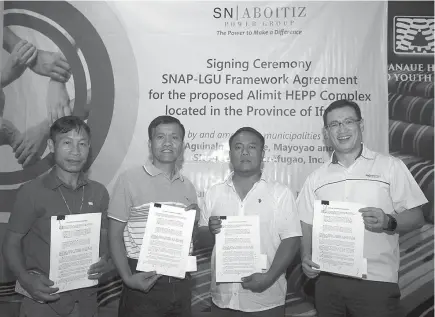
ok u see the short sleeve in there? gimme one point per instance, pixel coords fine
(404, 190)
(191, 192)
(305, 201)
(104, 206)
(287, 221)
(206, 210)
(24, 212)
(120, 203)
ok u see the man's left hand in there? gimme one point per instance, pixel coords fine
(257, 282)
(52, 65)
(98, 269)
(374, 218)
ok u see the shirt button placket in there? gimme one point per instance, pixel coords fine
(346, 185)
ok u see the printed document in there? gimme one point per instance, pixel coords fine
(238, 248)
(74, 247)
(338, 238)
(166, 242)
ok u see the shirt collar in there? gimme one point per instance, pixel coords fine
(153, 171)
(229, 179)
(364, 152)
(51, 180)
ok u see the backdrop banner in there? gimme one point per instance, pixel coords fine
(216, 66)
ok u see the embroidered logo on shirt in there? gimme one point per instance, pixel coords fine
(373, 175)
(90, 203)
(259, 200)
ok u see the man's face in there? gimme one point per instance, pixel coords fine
(70, 150)
(246, 153)
(347, 136)
(166, 144)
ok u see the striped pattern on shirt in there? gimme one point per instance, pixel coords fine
(136, 225)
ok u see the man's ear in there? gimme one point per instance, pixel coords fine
(149, 146)
(50, 144)
(361, 124)
(325, 133)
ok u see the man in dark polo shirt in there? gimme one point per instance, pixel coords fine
(62, 191)
(159, 180)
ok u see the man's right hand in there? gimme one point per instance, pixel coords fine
(143, 281)
(310, 268)
(38, 286)
(214, 224)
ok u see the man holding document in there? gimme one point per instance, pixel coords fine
(257, 230)
(382, 190)
(54, 197)
(147, 197)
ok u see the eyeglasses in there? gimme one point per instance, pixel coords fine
(347, 123)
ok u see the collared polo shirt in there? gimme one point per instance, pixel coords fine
(40, 199)
(275, 205)
(374, 180)
(141, 186)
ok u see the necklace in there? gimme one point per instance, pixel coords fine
(64, 200)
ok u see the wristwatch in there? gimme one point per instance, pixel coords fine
(392, 224)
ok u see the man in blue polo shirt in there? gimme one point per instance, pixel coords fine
(159, 180)
(62, 191)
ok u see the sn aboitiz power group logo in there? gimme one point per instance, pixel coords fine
(259, 16)
(414, 35)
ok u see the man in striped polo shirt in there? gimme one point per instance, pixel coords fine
(159, 180)
(393, 199)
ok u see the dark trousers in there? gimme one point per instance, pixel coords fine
(337, 296)
(169, 297)
(225, 312)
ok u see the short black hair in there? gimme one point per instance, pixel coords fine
(341, 104)
(247, 129)
(67, 124)
(164, 120)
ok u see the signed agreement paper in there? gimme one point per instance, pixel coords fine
(338, 238)
(238, 248)
(74, 247)
(166, 242)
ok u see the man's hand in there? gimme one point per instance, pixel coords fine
(38, 286)
(257, 282)
(57, 101)
(32, 144)
(310, 268)
(374, 218)
(142, 281)
(22, 55)
(214, 224)
(97, 270)
(52, 65)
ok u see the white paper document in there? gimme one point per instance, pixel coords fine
(338, 238)
(166, 242)
(74, 247)
(238, 248)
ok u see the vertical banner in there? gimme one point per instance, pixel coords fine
(411, 28)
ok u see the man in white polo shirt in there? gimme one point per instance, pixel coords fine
(247, 192)
(393, 200)
(159, 180)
